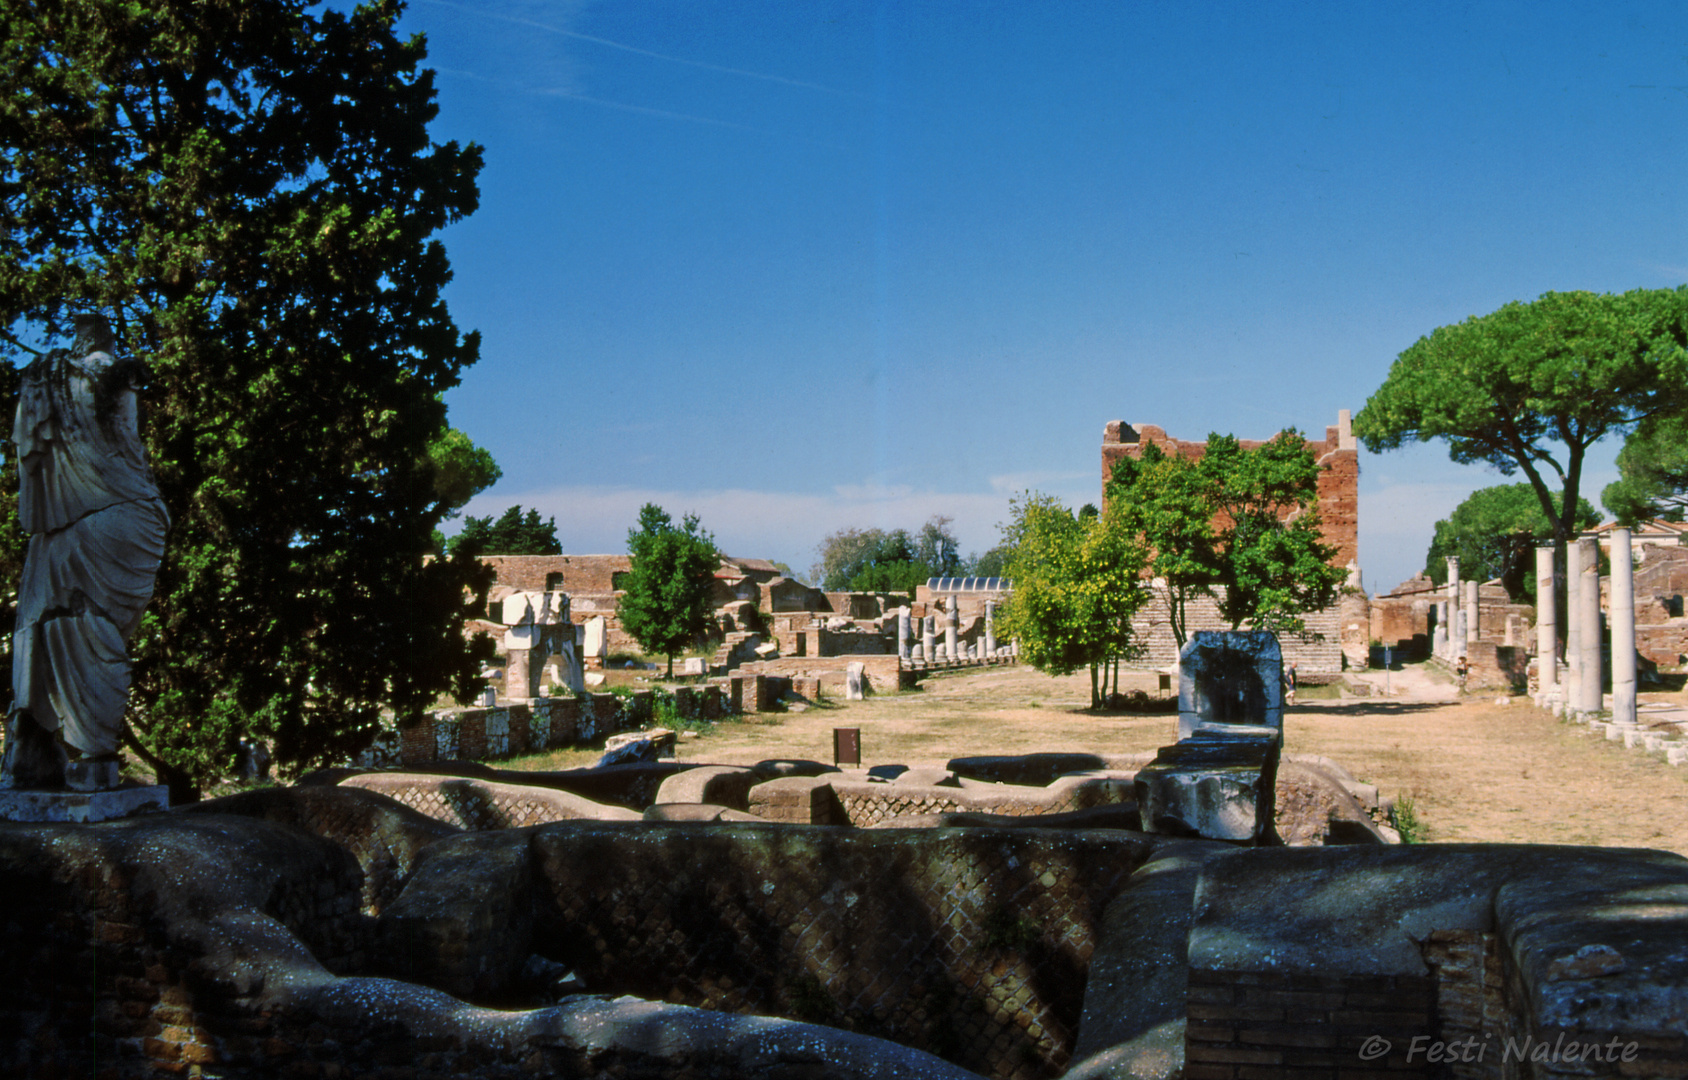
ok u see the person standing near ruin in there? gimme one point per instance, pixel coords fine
(97, 527)
(1289, 684)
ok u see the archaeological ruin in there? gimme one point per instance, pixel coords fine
(1322, 646)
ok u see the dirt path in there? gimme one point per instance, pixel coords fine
(1475, 770)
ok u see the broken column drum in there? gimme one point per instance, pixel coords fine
(952, 628)
(929, 637)
(904, 631)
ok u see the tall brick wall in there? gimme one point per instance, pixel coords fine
(1339, 475)
(1319, 648)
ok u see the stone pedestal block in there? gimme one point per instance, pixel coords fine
(82, 806)
(1213, 785)
(1228, 678)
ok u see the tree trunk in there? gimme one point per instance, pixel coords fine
(182, 788)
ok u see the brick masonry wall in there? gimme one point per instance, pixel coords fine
(1254, 1025)
(1471, 999)
(1317, 649)
(971, 944)
(1339, 477)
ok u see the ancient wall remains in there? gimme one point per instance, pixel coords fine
(1337, 454)
(1319, 648)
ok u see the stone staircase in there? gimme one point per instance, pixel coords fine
(735, 649)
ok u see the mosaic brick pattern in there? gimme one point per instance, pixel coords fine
(478, 805)
(870, 804)
(971, 944)
(384, 839)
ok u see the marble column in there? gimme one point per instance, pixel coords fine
(1473, 615)
(1444, 630)
(929, 638)
(1588, 599)
(1623, 628)
(952, 629)
(990, 628)
(1547, 627)
(1573, 626)
(1456, 647)
(905, 630)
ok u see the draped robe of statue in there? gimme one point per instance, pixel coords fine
(97, 529)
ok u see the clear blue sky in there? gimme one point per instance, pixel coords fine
(798, 266)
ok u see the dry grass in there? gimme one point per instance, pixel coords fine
(1475, 771)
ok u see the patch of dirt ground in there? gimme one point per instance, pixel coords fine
(1475, 770)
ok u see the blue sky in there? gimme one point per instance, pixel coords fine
(800, 266)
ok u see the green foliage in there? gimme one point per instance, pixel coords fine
(250, 192)
(1533, 386)
(1653, 466)
(666, 605)
(462, 470)
(1494, 534)
(873, 560)
(1238, 525)
(1405, 818)
(514, 533)
(1075, 588)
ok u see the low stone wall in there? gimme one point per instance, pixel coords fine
(829, 670)
(1499, 956)
(867, 804)
(505, 730)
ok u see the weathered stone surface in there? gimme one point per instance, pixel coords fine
(1316, 803)
(696, 812)
(855, 681)
(1134, 1003)
(202, 936)
(384, 835)
(480, 805)
(82, 806)
(1040, 769)
(1230, 677)
(628, 747)
(720, 785)
(798, 800)
(1221, 786)
(775, 768)
(927, 777)
(1121, 816)
(464, 922)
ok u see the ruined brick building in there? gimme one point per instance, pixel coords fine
(1321, 647)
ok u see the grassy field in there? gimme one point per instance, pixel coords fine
(1475, 770)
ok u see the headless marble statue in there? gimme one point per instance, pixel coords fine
(97, 529)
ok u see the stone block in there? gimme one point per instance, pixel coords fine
(798, 800)
(855, 681)
(82, 806)
(1220, 787)
(1227, 678)
(718, 785)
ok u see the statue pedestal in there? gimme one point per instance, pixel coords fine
(82, 806)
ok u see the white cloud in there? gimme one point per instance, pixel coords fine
(784, 526)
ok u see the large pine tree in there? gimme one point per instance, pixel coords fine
(248, 188)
